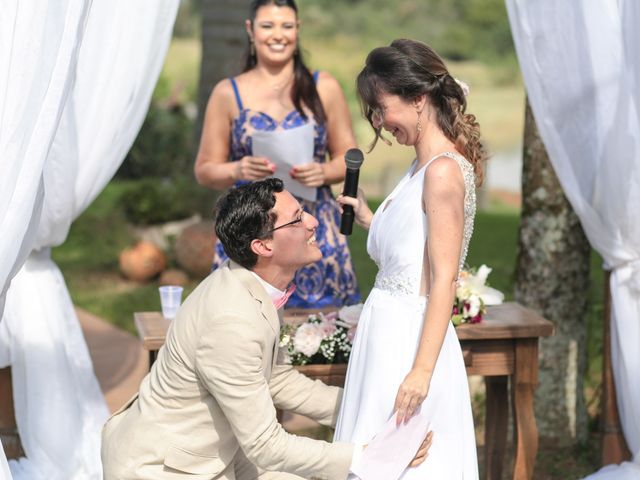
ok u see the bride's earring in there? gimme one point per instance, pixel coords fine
(419, 124)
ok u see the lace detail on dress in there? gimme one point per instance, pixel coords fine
(397, 285)
(469, 177)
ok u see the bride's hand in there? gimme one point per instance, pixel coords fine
(363, 213)
(411, 394)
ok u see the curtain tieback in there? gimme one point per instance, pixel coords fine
(43, 254)
(632, 277)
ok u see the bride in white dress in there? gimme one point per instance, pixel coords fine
(406, 355)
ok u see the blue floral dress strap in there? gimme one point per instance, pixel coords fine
(316, 74)
(236, 93)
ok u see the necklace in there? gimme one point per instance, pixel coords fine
(279, 86)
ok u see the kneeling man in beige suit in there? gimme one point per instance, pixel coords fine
(207, 409)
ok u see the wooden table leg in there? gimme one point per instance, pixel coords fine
(524, 383)
(153, 354)
(495, 429)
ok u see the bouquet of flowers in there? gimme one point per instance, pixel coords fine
(322, 339)
(473, 295)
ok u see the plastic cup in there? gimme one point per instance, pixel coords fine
(170, 299)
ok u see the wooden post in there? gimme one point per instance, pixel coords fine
(8, 430)
(614, 446)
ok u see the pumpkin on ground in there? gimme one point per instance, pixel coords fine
(142, 262)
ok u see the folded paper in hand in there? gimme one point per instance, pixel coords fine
(286, 149)
(392, 449)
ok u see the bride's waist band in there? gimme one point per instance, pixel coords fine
(400, 304)
(400, 284)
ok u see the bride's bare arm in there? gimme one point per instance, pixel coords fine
(443, 201)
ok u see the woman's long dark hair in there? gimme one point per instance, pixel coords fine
(304, 92)
(409, 68)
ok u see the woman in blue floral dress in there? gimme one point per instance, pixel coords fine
(277, 92)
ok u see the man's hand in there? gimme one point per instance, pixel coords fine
(423, 451)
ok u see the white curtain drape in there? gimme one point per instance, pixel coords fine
(5, 473)
(581, 64)
(38, 56)
(59, 407)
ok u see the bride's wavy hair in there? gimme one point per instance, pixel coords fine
(409, 68)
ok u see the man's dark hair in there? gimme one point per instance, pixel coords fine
(244, 214)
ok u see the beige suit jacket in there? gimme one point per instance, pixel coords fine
(212, 394)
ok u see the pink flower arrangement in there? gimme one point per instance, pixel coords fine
(473, 295)
(322, 339)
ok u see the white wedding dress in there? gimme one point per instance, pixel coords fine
(389, 331)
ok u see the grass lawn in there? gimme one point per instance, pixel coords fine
(89, 262)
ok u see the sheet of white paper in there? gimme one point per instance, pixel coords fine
(287, 148)
(391, 450)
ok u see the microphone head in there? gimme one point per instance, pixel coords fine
(353, 158)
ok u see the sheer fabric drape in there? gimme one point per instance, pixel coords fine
(38, 56)
(5, 473)
(581, 65)
(120, 47)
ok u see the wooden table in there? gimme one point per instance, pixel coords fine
(152, 329)
(503, 348)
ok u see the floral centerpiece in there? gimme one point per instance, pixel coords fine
(473, 295)
(321, 339)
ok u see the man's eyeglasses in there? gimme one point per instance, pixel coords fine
(293, 222)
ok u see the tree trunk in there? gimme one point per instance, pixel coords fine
(552, 277)
(223, 44)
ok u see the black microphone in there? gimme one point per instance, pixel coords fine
(353, 158)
